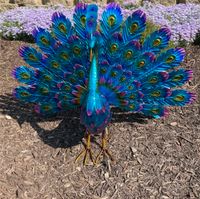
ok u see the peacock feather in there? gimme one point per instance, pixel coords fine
(93, 67)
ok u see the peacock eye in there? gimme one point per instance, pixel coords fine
(113, 47)
(47, 78)
(81, 74)
(132, 96)
(65, 97)
(157, 42)
(130, 87)
(44, 40)
(44, 90)
(128, 54)
(132, 106)
(32, 57)
(179, 98)
(141, 64)
(72, 80)
(67, 88)
(122, 79)
(177, 78)
(25, 76)
(64, 56)
(55, 64)
(153, 80)
(76, 50)
(103, 70)
(83, 19)
(155, 94)
(62, 28)
(46, 108)
(133, 27)
(111, 20)
(170, 59)
(24, 94)
(155, 111)
(114, 74)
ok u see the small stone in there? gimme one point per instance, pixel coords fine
(106, 175)
(78, 168)
(133, 149)
(173, 123)
(67, 185)
(139, 160)
(8, 117)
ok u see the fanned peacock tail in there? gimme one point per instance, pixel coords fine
(132, 74)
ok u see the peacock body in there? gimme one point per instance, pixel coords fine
(95, 66)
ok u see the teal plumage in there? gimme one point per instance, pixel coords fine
(83, 64)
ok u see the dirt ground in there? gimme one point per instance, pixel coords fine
(153, 158)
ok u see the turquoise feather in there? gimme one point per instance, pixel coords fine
(134, 26)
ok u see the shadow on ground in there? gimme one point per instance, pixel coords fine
(69, 132)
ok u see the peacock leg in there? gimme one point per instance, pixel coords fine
(104, 151)
(87, 151)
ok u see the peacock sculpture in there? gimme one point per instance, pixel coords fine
(98, 65)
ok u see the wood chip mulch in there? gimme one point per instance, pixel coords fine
(153, 158)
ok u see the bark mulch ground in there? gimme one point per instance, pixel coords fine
(153, 158)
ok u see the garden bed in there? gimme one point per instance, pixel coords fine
(153, 158)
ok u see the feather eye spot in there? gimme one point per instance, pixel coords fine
(157, 42)
(113, 48)
(179, 98)
(113, 74)
(155, 111)
(141, 64)
(76, 50)
(122, 79)
(170, 59)
(103, 70)
(62, 28)
(111, 20)
(133, 27)
(132, 96)
(130, 87)
(65, 97)
(128, 54)
(81, 74)
(156, 94)
(177, 78)
(25, 75)
(67, 88)
(44, 90)
(83, 20)
(46, 107)
(153, 80)
(132, 106)
(32, 57)
(24, 94)
(64, 55)
(44, 40)
(72, 80)
(55, 64)
(47, 78)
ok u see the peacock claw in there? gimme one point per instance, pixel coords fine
(86, 152)
(104, 151)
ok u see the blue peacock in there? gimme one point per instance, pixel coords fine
(98, 64)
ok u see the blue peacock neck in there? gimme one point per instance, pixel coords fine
(93, 76)
(95, 112)
(93, 99)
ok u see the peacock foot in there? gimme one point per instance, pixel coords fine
(87, 152)
(104, 151)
